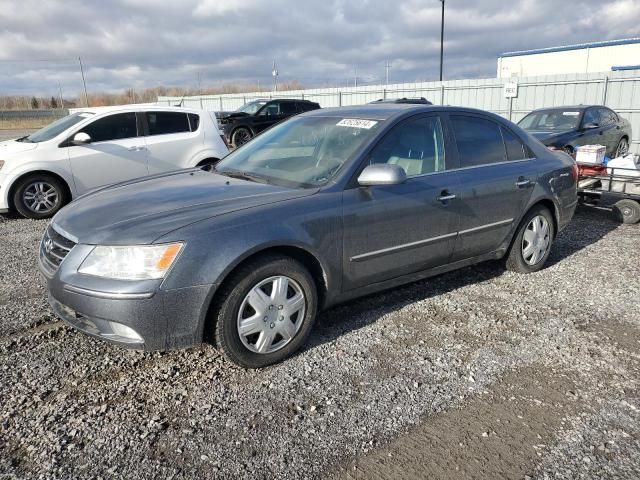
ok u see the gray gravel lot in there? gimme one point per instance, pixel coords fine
(480, 373)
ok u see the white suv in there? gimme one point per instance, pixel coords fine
(93, 147)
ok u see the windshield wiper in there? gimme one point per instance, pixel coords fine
(252, 177)
(24, 139)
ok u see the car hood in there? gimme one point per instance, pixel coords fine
(231, 115)
(13, 147)
(141, 211)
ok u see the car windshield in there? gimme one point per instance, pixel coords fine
(251, 107)
(303, 152)
(551, 120)
(56, 128)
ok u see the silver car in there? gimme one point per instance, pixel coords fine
(327, 206)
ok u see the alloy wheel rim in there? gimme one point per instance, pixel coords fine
(536, 240)
(241, 137)
(623, 148)
(40, 197)
(271, 314)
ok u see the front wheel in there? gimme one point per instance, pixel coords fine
(39, 196)
(240, 136)
(267, 311)
(532, 244)
(623, 147)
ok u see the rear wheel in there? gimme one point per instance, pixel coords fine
(267, 311)
(240, 136)
(532, 244)
(627, 211)
(208, 164)
(39, 196)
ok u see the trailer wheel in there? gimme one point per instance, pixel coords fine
(627, 211)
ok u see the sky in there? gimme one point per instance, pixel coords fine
(147, 43)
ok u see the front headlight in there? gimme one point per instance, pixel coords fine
(141, 262)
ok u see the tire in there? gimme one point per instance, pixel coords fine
(526, 254)
(627, 211)
(268, 339)
(208, 164)
(240, 136)
(623, 147)
(39, 196)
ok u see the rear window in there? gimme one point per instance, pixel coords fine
(162, 123)
(478, 140)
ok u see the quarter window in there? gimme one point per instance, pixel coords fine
(515, 148)
(194, 121)
(113, 127)
(162, 123)
(479, 141)
(416, 145)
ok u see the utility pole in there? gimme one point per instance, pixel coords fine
(274, 73)
(86, 97)
(60, 93)
(387, 66)
(199, 84)
(442, 40)
(355, 76)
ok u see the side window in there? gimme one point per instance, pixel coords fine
(161, 123)
(591, 116)
(416, 145)
(606, 116)
(515, 148)
(270, 110)
(113, 127)
(194, 121)
(288, 108)
(479, 141)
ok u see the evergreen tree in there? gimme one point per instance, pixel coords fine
(34, 103)
(54, 102)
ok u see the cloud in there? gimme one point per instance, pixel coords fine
(140, 43)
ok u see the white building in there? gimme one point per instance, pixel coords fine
(584, 58)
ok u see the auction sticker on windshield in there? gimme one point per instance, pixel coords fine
(356, 123)
(571, 114)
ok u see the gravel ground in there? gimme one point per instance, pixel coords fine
(478, 373)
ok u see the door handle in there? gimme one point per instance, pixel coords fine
(445, 196)
(523, 182)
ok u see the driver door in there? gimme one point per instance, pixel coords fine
(395, 230)
(116, 153)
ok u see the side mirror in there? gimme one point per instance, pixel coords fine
(382, 174)
(81, 138)
(589, 126)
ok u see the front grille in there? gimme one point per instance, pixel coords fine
(54, 248)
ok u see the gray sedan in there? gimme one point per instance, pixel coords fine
(327, 206)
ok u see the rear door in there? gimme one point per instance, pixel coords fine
(394, 230)
(170, 139)
(610, 132)
(116, 152)
(496, 180)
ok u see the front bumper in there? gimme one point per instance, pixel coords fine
(4, 193)
(133, 314)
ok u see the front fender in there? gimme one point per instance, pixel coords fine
(45, 167)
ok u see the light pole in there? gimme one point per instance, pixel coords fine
(441, 40)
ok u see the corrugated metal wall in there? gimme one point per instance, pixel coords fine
(617, 90)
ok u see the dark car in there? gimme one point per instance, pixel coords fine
(325, 207)
(567, 128)
(414, 101)
(252, 118)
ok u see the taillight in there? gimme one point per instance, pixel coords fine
(575, 172)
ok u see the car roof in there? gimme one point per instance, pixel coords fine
(385, 111)
(136, 108)
(567, 107)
